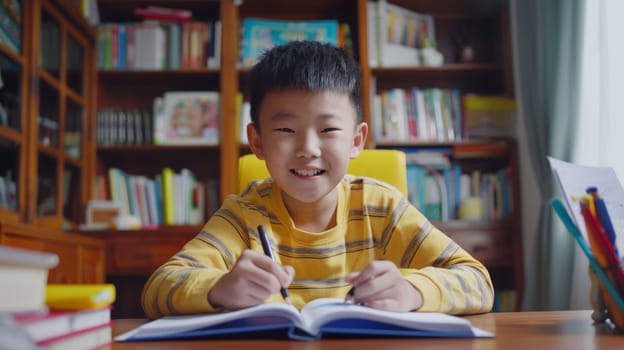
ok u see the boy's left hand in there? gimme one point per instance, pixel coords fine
(382, 286)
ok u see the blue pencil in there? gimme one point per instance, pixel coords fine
(603, 216)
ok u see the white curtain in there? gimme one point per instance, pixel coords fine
(600, 132)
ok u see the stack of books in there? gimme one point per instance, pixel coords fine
(36, 315)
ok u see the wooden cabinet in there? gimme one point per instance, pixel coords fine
(47, 100)
(82, 259)
(132, 257)
(496, 242)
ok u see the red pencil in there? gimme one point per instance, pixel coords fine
(601, 246)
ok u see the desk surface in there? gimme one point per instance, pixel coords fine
(565, 330)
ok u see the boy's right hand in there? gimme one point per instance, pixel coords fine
(251, 281)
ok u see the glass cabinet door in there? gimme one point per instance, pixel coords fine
(62, 121)
(50, 45)
(10, 94)
(48, 118)
(74, 131)
(12, 130)
(75, 65)
(72, 173)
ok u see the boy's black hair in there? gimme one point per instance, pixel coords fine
(304, 65)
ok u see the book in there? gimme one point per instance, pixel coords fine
(188, 117)
(320, 318)
(489, 116)
(399, 35)
(42, 326)
(79, 296)
(90, 338)
(260, 35)
(163, 13)
(23, 277)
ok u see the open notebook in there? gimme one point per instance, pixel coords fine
(321, 318)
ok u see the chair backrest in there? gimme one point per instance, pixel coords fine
(382, 164)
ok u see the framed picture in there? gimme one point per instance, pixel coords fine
(187, 117)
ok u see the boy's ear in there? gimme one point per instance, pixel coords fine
(359, 140)
(255, 142)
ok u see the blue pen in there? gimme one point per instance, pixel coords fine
(266, 246)
(602, 214)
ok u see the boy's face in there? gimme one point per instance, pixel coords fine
(307, 139)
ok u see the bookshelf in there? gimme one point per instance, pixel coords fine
(496, 242)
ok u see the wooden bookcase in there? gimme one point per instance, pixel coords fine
(497, 243)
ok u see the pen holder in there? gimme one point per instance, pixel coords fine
(607, 299)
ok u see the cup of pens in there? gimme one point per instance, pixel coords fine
(607, 273)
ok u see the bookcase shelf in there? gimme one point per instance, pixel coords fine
(497, 242)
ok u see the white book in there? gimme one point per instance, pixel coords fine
(372, 32)
(319, 318)
(377, 119)
(150, 47)
(214, 60)
(186, 193)
(23, 277)
(245, 119)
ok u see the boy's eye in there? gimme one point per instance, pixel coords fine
(327, 130)
(284, 130)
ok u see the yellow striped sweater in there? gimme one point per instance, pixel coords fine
(374, 221)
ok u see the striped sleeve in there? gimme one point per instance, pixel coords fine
(449, 278)
(181, 285)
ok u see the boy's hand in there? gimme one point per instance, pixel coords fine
(251, 281)
(382, 286)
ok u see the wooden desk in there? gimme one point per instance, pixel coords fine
(565, 330)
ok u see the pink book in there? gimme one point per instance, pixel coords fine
(42, 326)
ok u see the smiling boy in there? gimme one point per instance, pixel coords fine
(331, 231)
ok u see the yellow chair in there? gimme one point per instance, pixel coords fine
(382, 164)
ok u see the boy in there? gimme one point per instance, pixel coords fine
(330, 231)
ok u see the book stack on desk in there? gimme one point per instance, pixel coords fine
(78, 316)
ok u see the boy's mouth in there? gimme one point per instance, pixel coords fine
(307, 172)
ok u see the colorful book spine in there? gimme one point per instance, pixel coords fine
(167, 181)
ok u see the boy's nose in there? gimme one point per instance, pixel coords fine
(308, 145)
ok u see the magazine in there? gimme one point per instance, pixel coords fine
(320, 318)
